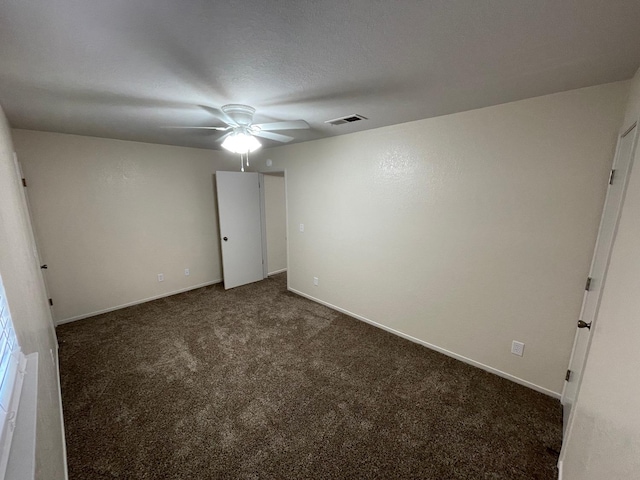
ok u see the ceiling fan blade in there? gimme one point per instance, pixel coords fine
(220, 114)
(292, 125)
(222, 129)
(273, 136)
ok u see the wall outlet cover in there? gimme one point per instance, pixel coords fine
(517, 348)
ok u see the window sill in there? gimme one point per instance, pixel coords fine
(22, 457)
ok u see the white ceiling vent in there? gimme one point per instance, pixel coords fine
(348, 119)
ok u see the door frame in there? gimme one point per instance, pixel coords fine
(636, 137)
(263, 226)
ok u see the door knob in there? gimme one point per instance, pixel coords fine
(582, 324)
(225, 239)
(44, 267)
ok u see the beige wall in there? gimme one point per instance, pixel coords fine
(465, 231)
(29, 309)
(276, 223)
(604, 436)
(632, 112)
(113, 214)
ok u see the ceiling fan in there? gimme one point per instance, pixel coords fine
(242, 132)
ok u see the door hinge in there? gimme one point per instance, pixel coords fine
(51, 302)
(567, 377)
(611, 175)
(587, 285)
(24, 182)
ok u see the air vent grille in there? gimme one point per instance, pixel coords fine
(348, 119)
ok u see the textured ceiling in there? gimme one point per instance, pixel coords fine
(126, 68)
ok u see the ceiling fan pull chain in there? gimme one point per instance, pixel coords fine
(247, 154)
(241, 163)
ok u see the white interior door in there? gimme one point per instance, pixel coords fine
(599, 264)
(240, 227)
(36, 245)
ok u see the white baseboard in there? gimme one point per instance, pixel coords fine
(136, 302)
(487, 368)
(559, 469)
(276, 272)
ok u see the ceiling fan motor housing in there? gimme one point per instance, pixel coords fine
(241, 114)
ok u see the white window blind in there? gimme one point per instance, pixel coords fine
(12, 365)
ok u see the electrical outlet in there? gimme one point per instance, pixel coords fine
(186, 272)
(161, 277)
(517, 348)
(302, 227)
(315, 281)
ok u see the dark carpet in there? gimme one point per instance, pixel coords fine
(259, 383)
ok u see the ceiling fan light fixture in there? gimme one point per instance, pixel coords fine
(241, 143)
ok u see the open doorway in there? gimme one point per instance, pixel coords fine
(274, 223)
(252, 216)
